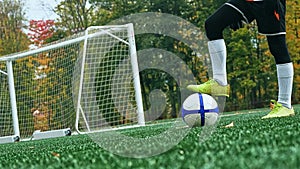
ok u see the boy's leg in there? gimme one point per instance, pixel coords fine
(285, 70)
(285, 74)
(214, 26)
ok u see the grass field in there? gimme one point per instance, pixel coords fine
(250, 143)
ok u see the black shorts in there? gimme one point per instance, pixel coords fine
(269, 23)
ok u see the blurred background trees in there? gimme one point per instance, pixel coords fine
(12, 37)
(251, 68)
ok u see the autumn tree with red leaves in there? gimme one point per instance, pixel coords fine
(40, 31)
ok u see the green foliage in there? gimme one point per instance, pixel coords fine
(293, 42)
(250, 69)
(12, 38)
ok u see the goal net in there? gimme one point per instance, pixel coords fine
(6, 122)
(88, 82)
(109, 86)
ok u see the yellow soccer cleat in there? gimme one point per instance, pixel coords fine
(277, 110)
(211, 87)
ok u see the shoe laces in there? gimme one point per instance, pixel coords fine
(274, 105)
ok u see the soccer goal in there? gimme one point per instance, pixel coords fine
(109, 92)
(88, 82)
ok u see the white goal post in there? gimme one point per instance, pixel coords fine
(88, 82)
(109, 92)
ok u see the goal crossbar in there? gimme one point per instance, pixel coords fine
(54, 46)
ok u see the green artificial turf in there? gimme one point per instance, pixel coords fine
(250, 143)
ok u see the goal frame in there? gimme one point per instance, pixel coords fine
(135, 71)
(9, 59)
(14, 112)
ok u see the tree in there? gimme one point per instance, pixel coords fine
(40, 31)
(76, 15)
(293, 42)
(12, 38)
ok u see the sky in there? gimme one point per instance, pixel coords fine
(40, 9)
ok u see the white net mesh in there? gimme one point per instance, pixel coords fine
(6, 123)
(108, 97)
(48, 82)
(43, 90)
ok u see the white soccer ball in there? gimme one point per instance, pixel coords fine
(200, 110)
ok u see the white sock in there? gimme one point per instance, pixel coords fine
(285, 74)
(217, 52)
